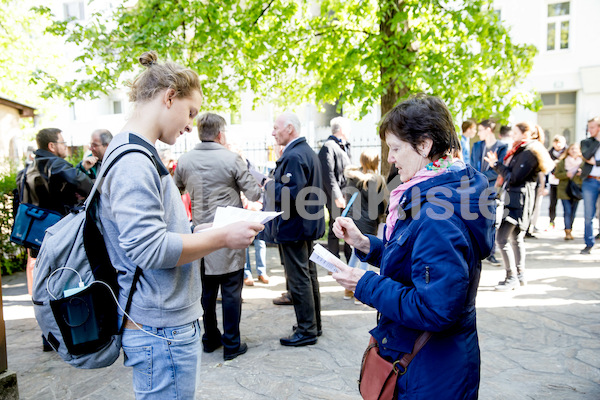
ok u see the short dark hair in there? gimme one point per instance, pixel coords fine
(209, 126)
(504, 129)
(422, 117)
(488, 123)
(47, 136)
(467, 124)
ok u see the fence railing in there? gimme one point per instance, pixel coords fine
(260, 152)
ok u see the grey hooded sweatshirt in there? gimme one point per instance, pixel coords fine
(142, 216)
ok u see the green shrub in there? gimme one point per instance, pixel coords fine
(76, 155)
(13, 258)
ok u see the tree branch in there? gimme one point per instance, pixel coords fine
(263, 12)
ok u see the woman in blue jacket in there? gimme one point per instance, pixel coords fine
(440, 227)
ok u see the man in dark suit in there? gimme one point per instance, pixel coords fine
(335, 157)
(487, 143)
(590, 173)
(296, 189)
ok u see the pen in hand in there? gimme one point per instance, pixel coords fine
(349, 205)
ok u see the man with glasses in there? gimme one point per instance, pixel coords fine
(51, 183)
(59, 186)
(98, 144)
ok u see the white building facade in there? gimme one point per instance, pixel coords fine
(566, 70)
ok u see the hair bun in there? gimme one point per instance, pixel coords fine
(148, 59)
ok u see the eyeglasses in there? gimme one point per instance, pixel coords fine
(94, 145)
(60, 142)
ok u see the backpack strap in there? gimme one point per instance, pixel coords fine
(135, 148)
(136, 278)
(137, 145)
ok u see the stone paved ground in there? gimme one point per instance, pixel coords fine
(538, 342)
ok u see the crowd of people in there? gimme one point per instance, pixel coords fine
(522, 171)
(415, 232)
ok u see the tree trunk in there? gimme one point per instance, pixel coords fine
(392, 93)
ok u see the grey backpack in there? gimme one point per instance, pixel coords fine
(75, 287)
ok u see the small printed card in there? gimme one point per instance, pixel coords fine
(321, 256)
(230, 215)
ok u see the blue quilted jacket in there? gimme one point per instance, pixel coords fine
(428, 280)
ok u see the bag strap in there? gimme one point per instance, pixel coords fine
(408, 357)
(136, 278)
(135, 149)
(93, 198)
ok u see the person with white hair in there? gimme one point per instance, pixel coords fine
(295, 189)
(335, 158)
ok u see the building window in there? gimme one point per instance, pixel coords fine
(557, 34)
(117, 107)
(73, 9)
(559, 99)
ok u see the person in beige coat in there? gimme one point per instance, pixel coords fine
(214, 177)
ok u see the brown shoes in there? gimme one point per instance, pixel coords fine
(284, 300)
(261, 278)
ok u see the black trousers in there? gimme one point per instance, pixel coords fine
(510, 240)
(303, 285)
(333, 243)
(231, 291)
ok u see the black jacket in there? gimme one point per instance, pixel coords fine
(334, 157)
(520, 176)
(589, 147)
(370, 205)
(64, 183)
(296, 189)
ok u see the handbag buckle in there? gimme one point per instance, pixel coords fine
(397, 368)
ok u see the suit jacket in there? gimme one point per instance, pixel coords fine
(214, 177)
(477, 159)
(589, 147)
(296, 189)
(334, 157)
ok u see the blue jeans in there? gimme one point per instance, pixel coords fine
(591, 190)
(355, 262)
(260, 251)
(570, 208)
(164, 369)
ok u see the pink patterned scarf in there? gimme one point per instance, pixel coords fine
(429, 171)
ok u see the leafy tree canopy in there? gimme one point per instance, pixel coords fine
(356, 53)
(25, 48)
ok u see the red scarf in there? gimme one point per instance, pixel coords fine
(514, 149)
(508, 157)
